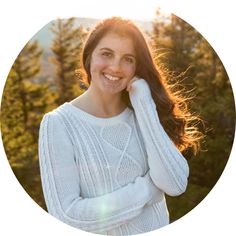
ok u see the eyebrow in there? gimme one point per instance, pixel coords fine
(127, 54)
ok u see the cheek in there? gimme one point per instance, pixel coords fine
(130, 71)
(96, 66)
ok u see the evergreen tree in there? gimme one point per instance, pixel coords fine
(174, 41)
(23, 104)
(214, 100)
(180, 48)
(67, 46)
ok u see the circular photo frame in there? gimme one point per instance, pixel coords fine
(49, 72)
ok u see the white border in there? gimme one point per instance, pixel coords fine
(20, 20)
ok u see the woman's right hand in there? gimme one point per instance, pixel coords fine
(129, 85)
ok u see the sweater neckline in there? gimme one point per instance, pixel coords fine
(98, 120)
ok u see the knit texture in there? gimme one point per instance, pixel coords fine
(109, 175)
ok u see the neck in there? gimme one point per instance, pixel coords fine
(102, 104)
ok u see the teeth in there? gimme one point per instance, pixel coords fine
(113, 78)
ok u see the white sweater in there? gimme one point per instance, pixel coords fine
(109, 175)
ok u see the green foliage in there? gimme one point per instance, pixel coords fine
(22, 108)
(28, 95)
(181, 205)
(66, 46)
(180, 48)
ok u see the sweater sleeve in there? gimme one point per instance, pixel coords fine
(168, 168)
(60, 182)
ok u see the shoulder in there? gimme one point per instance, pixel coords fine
(54, 124)
(54, 117)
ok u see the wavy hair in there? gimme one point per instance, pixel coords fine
(174, 115)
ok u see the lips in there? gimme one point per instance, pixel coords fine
(112, 78)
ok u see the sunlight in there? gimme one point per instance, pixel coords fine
(133, 9)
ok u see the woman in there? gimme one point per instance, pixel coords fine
(108, 157)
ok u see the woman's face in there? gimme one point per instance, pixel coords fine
(113, 63)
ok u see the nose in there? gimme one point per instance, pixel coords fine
(115, 66)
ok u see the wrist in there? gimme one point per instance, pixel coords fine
(140, 88)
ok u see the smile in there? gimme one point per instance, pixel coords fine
(113, 78)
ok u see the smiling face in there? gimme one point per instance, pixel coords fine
(113, 63)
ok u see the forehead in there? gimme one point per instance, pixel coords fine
(117, 43)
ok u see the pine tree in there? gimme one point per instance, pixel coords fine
(179, 47)
(22, 108)
(214, 100)
(174, 39)
(66, 47)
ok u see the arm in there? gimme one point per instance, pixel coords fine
(60, 181)
(168, 168)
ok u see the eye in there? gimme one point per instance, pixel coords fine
(129, 60)
(106, 54)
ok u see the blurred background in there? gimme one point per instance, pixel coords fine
(44, 76)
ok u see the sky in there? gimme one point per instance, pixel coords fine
(20, 20)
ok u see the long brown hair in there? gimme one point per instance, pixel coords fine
(172, 109)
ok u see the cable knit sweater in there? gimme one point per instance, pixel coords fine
(109, 175)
